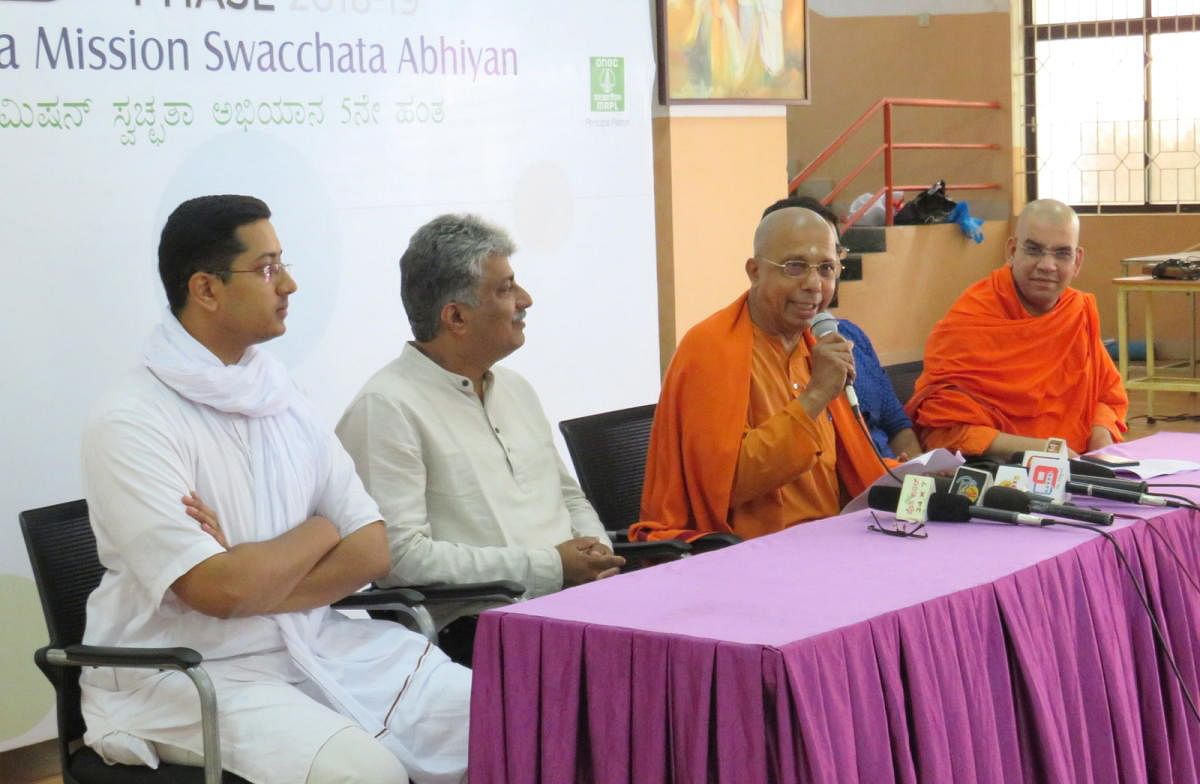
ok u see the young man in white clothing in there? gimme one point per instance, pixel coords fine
(228, 521)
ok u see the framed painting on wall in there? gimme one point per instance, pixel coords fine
(733, 51)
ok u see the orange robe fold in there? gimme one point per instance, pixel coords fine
(698, 430)
(990, 367)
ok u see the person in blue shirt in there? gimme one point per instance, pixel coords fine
(890, 428)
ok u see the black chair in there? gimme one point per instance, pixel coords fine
(903, 376)
(608, 451)
(62, 551)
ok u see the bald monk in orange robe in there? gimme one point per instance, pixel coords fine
(752, 433)
(1018, 358)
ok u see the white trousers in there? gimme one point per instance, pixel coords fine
(349, 757)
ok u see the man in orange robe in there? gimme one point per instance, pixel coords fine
(1018, 358)
(752, 433)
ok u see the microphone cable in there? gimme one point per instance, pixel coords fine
(1187, 502)
(1159, 638)
(866, 431)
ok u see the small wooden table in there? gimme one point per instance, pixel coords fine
(1136, 265)
(1151, 382)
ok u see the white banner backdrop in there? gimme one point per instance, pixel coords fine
(357, 121)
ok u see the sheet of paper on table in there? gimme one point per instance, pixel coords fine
(1150, 468)
(937, 461)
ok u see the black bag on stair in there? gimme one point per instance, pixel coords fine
(928, 206)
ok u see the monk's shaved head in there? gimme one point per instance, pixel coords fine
(1044, 254)
(788, 220)
(1050, 212)
(793, 272)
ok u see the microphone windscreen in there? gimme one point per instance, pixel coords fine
(1007, 498)
(822, 324)
(883, 498)
(984, 465)
(948, 508)
(1085, 468)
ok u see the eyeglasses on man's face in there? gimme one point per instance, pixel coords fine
(268, 272)
(1036, 251)
(797, 268)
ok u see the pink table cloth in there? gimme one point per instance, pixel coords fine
(828, 653)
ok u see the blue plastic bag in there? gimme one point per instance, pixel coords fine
(971, 227)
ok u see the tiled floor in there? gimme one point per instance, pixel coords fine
(35, 765)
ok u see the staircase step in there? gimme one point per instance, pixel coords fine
(852, 267)
(865, 239)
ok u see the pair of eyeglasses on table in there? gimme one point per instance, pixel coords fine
(898, 528)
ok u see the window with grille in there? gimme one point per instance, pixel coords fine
(1112, 103)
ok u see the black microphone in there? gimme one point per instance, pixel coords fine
(1116, 494)
(1016, 501)
(823, 324)
(883, 498)
(1093, 474)
(951, 508)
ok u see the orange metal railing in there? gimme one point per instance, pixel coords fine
(888, 148)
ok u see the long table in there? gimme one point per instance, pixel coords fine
(829, 653)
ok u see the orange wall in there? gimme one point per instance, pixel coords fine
(1107, 239)
(858, 60)
(907, 289)
(713, 178)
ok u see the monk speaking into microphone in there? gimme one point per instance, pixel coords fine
(753, 432)
(1019, 358)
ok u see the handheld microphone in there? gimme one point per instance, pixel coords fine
(1117, 494)
(1093, 474)
(950, 508)
(1017, 501)
(823, 324)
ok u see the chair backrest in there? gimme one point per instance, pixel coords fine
(62, 550)
(904, 377)
(609, 454)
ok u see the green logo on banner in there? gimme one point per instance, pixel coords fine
(608, 84)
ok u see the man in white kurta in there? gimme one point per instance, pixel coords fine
(288, 681)
(457, 450)
(471, 490)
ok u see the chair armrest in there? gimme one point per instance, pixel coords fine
(616, 535)
(669, 549)
(102, 656)
(185, 660)
(381, 599)
(505, 591)
(710, 542)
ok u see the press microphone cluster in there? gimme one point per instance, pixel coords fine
(1012, 498)
(1018, 501)
(1099, 481)
(825, 323)
(944, 507)
(1093, 474)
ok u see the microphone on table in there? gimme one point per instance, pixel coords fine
(1128, 496)
(1018, 501)
(825, 323)
(952, 508)
(1093, 474)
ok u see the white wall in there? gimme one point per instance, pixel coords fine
(81, 208)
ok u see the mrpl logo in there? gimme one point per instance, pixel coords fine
(608, 84)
